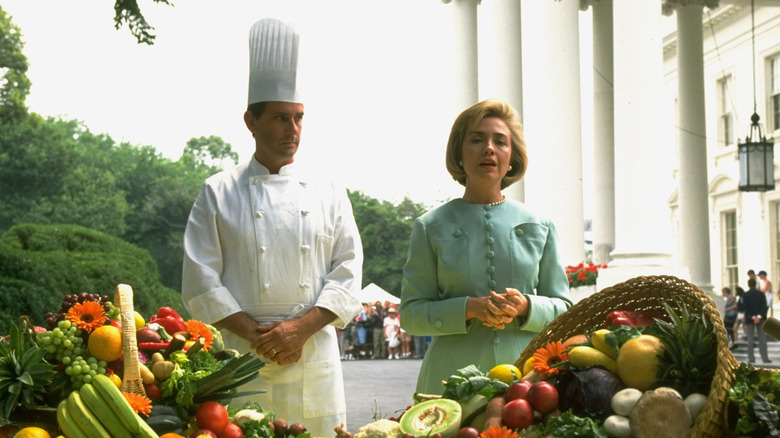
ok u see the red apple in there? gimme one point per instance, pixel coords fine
(518, 390)
(543, 396)
(116, 323)
(153, 391)
(517, 414)
(467, 432)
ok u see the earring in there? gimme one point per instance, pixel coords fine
(509, 168)
(460, 163)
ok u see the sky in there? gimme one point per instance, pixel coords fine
(376, 75)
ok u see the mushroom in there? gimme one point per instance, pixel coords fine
(660, 414)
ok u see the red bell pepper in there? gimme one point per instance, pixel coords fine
(636, 318)
(168, 319)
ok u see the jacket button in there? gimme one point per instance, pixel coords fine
(259, 214)
(518, 233)
(490, 240)
(491, 269)
(305, 248)
(489, 227)
(456, 233)
(490, 254)
(492, 283)
(262, 249)
(488, 215)
(438, 323)
(266, 286)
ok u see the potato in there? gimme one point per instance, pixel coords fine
(617, 426)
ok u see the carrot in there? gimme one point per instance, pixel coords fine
(493, 411)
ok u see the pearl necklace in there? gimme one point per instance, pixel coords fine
(493, 204)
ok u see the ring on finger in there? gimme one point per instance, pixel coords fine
(273, 350)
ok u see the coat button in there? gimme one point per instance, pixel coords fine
(518, 232)
(489, 240)
(491, 269)
(490, 254)
(263, 249)
(259, 214)
(457, 233)
(438, 323)
(492, 283)
(266, 286)
(488, 215)
(305, 248)
(489, 227)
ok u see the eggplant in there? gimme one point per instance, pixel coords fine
(587, 391)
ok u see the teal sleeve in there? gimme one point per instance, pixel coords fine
(422, 312)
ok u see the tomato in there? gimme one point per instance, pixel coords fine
(232, 430)
(213, 416)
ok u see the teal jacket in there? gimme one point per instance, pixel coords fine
(461, 250)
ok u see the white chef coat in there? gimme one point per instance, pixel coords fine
(274, 246)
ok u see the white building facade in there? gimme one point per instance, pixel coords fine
(743, 228)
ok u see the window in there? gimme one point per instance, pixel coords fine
(774, 86)
(776, 235)
(730, 265)
(725, 113)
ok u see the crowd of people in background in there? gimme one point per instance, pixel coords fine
(376, 333)
(746, 312)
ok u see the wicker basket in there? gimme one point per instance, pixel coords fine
(131, 380)
(648, 293)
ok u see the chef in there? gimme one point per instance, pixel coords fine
(272, 256)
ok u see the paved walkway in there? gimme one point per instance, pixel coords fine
(379, 388)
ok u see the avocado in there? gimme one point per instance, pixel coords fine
(426, 418)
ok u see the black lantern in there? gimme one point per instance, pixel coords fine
(756, 160)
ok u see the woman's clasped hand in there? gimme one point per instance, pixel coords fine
(497, 310)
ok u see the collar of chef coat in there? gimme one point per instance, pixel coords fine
(257, 170)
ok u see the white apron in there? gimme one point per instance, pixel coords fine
(275, 246)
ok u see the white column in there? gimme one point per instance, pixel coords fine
(603, 133)
(694, 212)
(552, 119)
(643, 160)
(501, 61)
(465, 54)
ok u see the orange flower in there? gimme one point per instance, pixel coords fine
(199, 330)
(139, 403)
(87, 315)
(498, 432)
(547, 357)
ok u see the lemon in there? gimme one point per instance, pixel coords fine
(140, 322)
(32, 432)
(528, 366)
(638, 361)
(505, 372)
(116, 380)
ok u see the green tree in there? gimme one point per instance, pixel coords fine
(385, 230)
(14, 84)
(210, 151)
(128, 12)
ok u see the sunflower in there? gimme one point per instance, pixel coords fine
(547, 358)
(87, 315)
(498, 432)
(138, 402)
(198, 330)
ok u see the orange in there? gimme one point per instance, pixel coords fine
(32, 432)
(505, 372)
(171, 435)
(576, 339)
(105, 343)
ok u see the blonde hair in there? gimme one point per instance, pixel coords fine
(468, 120)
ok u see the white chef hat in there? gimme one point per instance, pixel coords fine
(273, 62)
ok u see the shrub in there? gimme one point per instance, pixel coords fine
(583, 275)
(48, 262)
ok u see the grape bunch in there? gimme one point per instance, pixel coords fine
(81, 370)
(64, 344)
(53, 318)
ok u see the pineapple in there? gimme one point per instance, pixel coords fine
(24, 374)
(690, 354)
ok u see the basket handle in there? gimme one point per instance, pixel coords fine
(131, 381)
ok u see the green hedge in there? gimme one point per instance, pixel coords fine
(40, 264)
